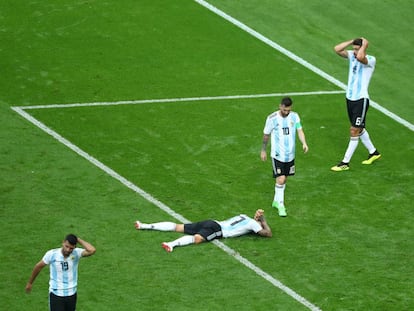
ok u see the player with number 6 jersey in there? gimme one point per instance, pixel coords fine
(360, 70)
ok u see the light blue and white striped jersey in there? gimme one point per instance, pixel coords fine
(238, 225)
(282, 133)
(63, 271)
(359, 76)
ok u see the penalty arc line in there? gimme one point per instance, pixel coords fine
(162, 206)
(299, 60)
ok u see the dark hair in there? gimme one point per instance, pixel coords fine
(357, 41)
(72, 239)
(287, 102)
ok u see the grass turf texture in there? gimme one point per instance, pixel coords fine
(345, 246)
(311, 29)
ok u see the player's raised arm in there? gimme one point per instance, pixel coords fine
(89, 249)
(340, 48)
(362, 52)
(266, 231)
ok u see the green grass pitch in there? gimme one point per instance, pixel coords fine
(347, 243)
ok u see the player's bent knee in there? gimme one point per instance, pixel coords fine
(355, 131)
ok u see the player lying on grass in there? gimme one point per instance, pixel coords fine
(208, 230)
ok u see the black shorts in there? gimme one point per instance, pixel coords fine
(208, 229)
(357, 111)
(58, 303)
(283, 168)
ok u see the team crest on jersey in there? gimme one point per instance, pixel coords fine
(278, 170)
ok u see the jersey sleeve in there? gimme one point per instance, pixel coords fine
(268, 126)
(78, 252)
(298, 125)
(47, 257)
(371, 61)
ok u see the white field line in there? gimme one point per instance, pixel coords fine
(99, 164)
(299, 60)
(174, 100)
(162, 206)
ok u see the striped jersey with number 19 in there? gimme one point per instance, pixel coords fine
(63, 271)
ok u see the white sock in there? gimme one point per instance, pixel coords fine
(160, 226)
(184, 240)
(367, 141)
(353, 144)
(280, 194)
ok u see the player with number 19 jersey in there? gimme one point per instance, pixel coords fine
(63, 271)
(282, 132)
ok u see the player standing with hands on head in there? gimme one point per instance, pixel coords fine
(63, 263)
(361, 68)
(281, 127)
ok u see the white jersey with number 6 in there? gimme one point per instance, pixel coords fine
(359, 77)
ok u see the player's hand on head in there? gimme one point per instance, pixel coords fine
(258, 214)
